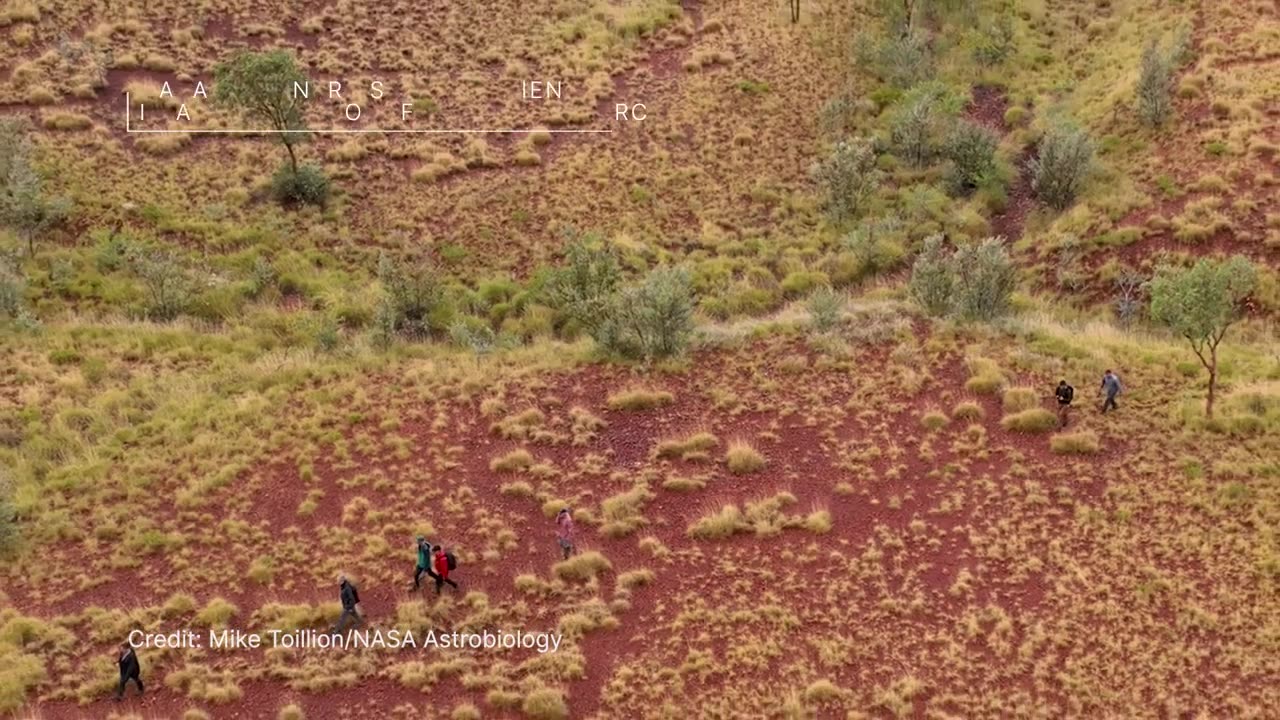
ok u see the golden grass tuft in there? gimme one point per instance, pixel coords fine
(821, 691)
(818, 521)
(985, 377)
(639, 399)
(1017, 399)
(699, 442)
(679, 483)
(741, 458)
(583, 566)
(968, 410)
(217, 613)
(934, 420)
(545, 704)
(291, 712)
(718, 525)
(465, 711)
(1084, 442)
(1034, 420)
(518, 459)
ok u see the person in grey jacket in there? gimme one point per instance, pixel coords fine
(1111, 387)
(350, 599)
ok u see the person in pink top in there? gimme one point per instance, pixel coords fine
(564, 532)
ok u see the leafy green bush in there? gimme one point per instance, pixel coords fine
(653, 319)
(971, 148)
(307, 185)
(993, 43)
(801, 282)
(582, 289)
(413, 303)
(985, 278)
(849, 177)
(826, 307)
(13, 289)
(1061, 166)
(917, 125)
(898, 59)
(166, 281)
(932, 278)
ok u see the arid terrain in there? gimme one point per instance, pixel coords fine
(803, 485)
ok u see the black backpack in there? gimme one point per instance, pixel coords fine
(1068, 393)
(453, 562)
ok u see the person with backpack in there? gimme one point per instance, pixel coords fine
(564, 532)
(425, 556)
(1065, 393)
(445, 561)
(1111, 387)
(350, 598)
(130, 669)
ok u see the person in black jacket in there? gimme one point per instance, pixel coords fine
(350, 598)
(1065, 393)
(130, 669)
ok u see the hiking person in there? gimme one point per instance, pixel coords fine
(564, 532)
(1065, 393)
(350, 598)
(130, 669)
(444, 563)
(1111, 387)
(425, 555)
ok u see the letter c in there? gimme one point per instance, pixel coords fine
(133, 643)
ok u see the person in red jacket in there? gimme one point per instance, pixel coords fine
(442, 569)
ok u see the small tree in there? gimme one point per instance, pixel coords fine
(24, 206)
(1201, 303)
(1061, 166)
(262, 86)
(1155, 83)
(826, 308)
(932, 277)
(849, 177)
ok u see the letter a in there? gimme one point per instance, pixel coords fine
(199, 91)
(165, 91)
(182, 113)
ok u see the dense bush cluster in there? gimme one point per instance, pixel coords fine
(307, 185)
(973, 282)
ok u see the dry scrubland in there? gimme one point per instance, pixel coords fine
(829, 505)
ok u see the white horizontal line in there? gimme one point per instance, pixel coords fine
(128, 107)
(351, 132)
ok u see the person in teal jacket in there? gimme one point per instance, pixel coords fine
(424, 564)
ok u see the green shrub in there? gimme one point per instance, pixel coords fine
(801, 282)
(848, 178)
(985, 279)
(413, 303)
(971, 148)
(1155, 86)
(13, 289)
(1061, 166)
(917, 125)
(968, 410)
(651, 320)
(932, 277)
(583, 288)
(1033, 420)
(1014, 116)
(167, 284)
(826, 307)
(993, 43)
(307, 186)
(899, 59)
